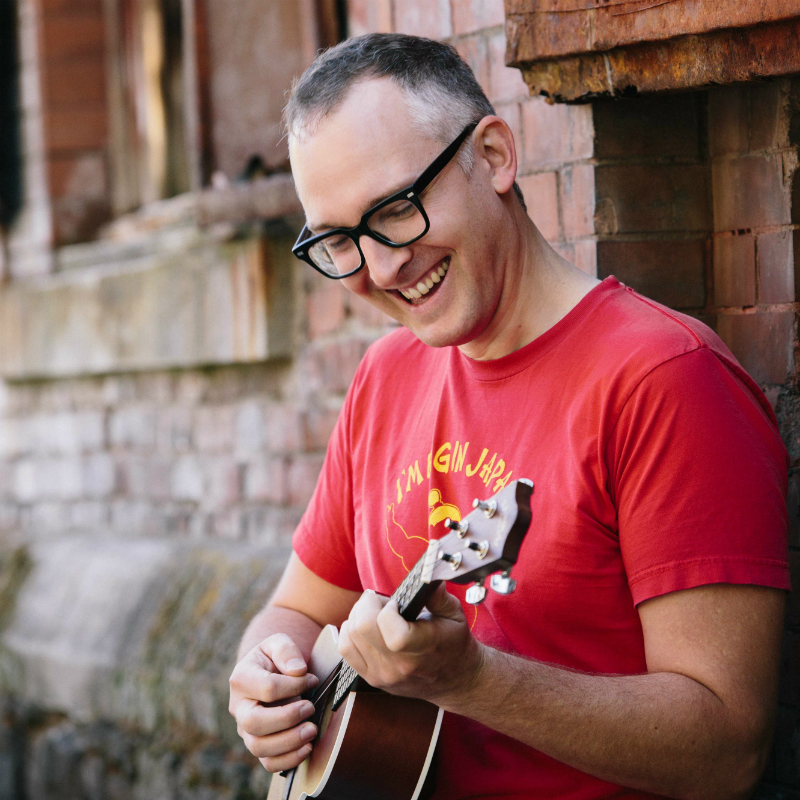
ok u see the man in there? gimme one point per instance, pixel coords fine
(641, 647)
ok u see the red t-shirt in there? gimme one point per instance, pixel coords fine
(657, 466)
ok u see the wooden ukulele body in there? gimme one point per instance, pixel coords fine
(375, 746)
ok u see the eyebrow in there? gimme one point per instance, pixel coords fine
(325, 226)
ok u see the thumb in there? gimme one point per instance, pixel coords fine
(442, 604)
(285, 654)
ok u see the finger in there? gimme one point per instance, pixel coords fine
(349, 651)
(363, 618)
(279, 744)
(259, 720)
(396, 633)
(269, 687)
(442, 604)
(287, 761)
(285, 654)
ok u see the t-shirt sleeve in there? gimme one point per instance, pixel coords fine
(699, 477)
(325, 538)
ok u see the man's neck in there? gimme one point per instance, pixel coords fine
(540, 289)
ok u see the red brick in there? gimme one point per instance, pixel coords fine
(475, 51)
(79, 7)
(325, 307)
(214, 428)
(652, 197)
(586, 256)
(671, 272)
(80, 128)
(282, 428)
(505, 83)
(77, 219)
(429, 18)
(318, 424)
(767, 118)
(369, 16)
(577, 200)
(333, 366)
(302, 478)
(554, 134)
(78, 176)
(223, 480)
(727, 120)
(511, 114)
(541, 197)
(762, 342)
(661, 125)
(472, 15)
(749, 193)
(776, 268)
(265, 480)
(75, 82)
(71, 36)
(366, 313)
(734, 271)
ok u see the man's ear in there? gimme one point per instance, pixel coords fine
(494, 143)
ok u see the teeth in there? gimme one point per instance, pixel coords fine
(427, 283)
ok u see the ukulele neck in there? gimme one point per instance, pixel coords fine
(411, 596)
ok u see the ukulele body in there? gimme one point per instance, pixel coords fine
(375, 746)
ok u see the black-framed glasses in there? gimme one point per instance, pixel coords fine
(396, 221)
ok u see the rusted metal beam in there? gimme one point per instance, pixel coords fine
(721, 57)
(546, 29)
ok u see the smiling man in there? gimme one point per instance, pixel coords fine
(639, 653)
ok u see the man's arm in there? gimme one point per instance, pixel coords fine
(271, 672)
(697, 725)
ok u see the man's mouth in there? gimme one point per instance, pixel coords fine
(428, 284)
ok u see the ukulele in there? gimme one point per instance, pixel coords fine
(372, 745)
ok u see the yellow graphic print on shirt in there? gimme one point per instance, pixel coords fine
(446, 458)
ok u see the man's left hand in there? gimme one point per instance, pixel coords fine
(432, 658)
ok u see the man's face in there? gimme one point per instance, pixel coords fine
(368, 149)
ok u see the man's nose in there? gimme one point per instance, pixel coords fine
(384, 262)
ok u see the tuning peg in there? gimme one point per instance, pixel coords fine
(481, 548)
(504, 583)
(488, 507)
(460, 528)
(453, 560)
(476, 593)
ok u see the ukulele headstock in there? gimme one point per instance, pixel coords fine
(484, 542)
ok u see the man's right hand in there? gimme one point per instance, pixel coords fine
(265, 702)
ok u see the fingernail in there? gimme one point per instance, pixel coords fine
(307, 709)
(304, 750)
(308, 731)
(311, 680)
(295, 663)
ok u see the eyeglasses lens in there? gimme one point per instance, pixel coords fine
(336, 255)
(399, 222)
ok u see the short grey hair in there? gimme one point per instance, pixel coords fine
(441, 91)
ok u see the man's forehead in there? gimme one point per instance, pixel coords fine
(358, 154)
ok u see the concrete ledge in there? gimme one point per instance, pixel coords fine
(141, 632)
(214, 303)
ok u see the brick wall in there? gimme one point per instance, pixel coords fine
(72, 38)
